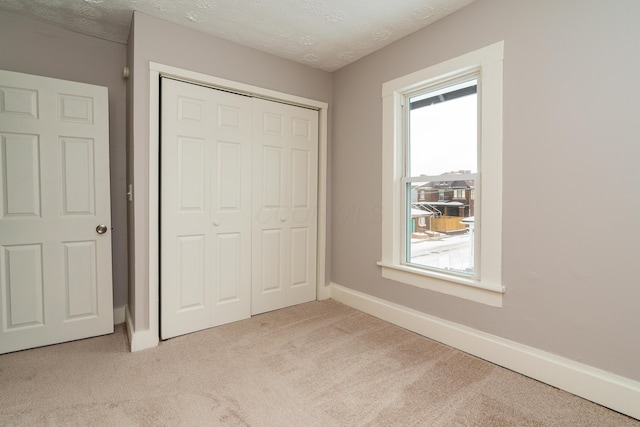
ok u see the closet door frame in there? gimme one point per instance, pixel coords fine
(150, 338)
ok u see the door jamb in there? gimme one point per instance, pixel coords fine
(156, 71)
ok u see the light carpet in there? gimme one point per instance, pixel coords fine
(316, 364)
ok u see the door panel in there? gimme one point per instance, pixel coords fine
(191, 176)
(191, 264)
(299, 256)
(75, 109)
(25, 294)
(17, 102)
(80, 279)
(206, 196)
(272, 252)
(285, 176)
(55, 283)
(77, 176)
(229, 178)
(272, 178)
(300, 177)
(21, 172)
(229, 246)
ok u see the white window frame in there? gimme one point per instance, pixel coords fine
(485, 287)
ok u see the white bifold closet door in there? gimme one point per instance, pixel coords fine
(234, 218)
(55, 215)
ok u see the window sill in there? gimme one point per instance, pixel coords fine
(446, 284)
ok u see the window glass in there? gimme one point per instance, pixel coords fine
(442, 166)
(443, 130)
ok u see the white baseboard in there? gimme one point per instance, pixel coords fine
(140, 340)
(119, 315)
(613, 391)
(323, 293)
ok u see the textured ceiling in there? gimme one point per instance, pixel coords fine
(325, 34)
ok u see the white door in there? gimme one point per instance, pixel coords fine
(55, 278)
(285, 180)
(205, 243)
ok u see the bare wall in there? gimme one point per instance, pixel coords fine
(571, 207)
(170, 44)
(34, 47)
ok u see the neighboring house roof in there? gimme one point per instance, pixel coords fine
(435, 185)
(439, 203)
(461, 184)
(420, 212)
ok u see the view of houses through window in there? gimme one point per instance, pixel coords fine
(442, 177)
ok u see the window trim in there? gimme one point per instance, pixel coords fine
(487, 289)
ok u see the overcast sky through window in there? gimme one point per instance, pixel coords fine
(443, 136)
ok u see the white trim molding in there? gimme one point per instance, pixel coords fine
(119, 315)
(140, 340)
(604, 388)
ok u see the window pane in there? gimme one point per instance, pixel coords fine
(443, 130)
(440, 225)
(440, 213)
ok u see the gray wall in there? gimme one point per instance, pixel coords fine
(169, 44)
(571, 224)
(33, 47)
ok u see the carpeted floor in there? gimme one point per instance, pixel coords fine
(316, 364)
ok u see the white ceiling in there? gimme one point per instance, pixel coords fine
(325, 34)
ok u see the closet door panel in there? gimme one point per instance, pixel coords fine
(285, 172)
(230, 211)
(205, 212)
(185, 240)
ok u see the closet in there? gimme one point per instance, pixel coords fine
(238, 206)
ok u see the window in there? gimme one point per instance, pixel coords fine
(442, 166)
